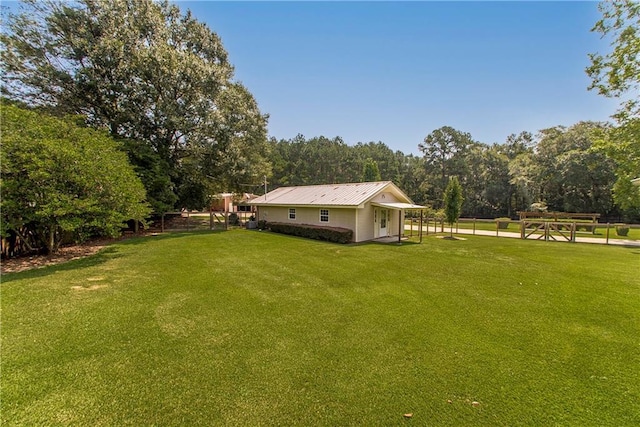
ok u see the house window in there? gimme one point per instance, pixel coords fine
(292, 213)
(324, 215)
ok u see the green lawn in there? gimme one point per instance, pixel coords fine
(250, 328)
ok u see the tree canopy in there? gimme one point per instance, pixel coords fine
(370, 172)
(617, 74)
(452, 201)
(60, 179)
(146, 72)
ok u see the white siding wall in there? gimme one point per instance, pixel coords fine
(365, 223)
(385, 198)
(338, 217)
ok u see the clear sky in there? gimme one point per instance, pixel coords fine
(395, 71)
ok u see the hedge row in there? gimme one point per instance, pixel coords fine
(329, 234)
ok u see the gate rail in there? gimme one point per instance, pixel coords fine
(548, 230)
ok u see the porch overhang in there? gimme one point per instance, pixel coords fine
(398, 205)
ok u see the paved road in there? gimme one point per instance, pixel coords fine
(510, 234)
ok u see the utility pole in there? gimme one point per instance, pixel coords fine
(265, 188)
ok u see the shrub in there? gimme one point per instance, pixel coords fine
(503, 223)
(262, 224)
(591, 228)
(234, 219)
(622, 229)
(61, 180)
(329, 234)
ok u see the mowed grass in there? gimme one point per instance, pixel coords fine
(247, 328)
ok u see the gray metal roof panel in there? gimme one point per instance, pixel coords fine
(352, 194)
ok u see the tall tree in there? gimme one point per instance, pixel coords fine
(444, 150)
(142, 70)
(567, 174)
(59, 177)
(617, 74)
(370, 172)
(496, 188)
(453, 201)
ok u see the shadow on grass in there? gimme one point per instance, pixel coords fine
(395, 242)
(108, 253)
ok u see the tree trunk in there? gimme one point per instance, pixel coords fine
(51, 241)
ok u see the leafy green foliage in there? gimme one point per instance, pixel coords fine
(445, 154)
(559, 166)
(154, 174)
(617, 74)
(370, 172)
(59, 177)
(146, 72)
(573, 177)
(453, 201)
(622, 230)
(316, 232)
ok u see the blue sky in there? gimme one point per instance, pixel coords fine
(395, 71)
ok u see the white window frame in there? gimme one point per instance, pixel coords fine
(292, 213)
(326, 215)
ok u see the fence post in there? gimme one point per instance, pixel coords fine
(546, 231)
(497, 228)
(573, 232)
(162, 223)
(608, 233)
(474, 226)
(522, 229)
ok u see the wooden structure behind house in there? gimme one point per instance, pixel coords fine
(371, 209)
(231, 202)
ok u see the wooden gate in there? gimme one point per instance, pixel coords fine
(547, 230)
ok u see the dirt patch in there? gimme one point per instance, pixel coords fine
(65, 254)
(451, 238)
(88, 288)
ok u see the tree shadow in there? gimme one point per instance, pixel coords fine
(104, 255)
(109, 252)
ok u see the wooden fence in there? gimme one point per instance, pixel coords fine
(538, 229)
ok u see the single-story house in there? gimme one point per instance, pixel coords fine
(232, 202)
(371, 210)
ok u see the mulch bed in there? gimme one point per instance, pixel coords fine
(64, 254)
(14, 265)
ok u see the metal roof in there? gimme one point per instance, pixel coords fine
(353, 194)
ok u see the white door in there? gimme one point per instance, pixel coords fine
(384, 216)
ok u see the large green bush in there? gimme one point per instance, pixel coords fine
(329, 234)
(622, 229)
(61, 179)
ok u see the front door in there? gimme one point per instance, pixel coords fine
(384, 217)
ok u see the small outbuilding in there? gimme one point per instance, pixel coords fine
(371, 210)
